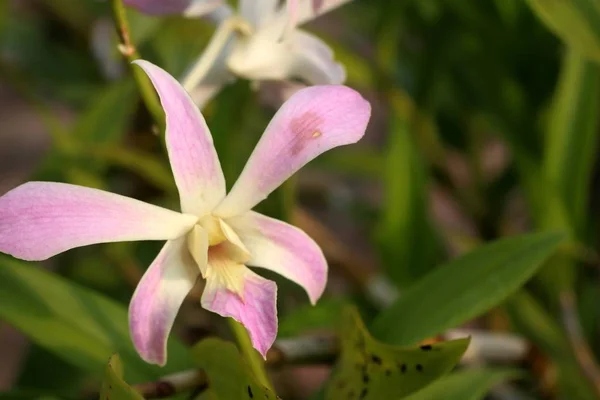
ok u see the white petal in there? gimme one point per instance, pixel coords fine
(313, 61)
(41, 219)
(257, 12)
(193, 157)
(312, 121)
(157, 300)
(284, 249)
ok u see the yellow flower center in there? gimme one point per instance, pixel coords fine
(226, 253)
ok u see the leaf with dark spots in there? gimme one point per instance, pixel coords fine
(377, 370)
(113, 386)
(228, 375)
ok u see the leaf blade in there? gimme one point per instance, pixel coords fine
(442, 300)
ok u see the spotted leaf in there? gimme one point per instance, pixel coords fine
(228, 375)
(370, 370)
(113, 386)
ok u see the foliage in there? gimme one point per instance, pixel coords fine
(373, 370)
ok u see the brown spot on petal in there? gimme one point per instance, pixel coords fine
(304, 129)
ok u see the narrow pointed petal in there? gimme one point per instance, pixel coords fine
(197, 242)
(256, 308)
(192, 8)
(209, 73)
(257, 12)
(313, 61)
(157, 300)
(312, 121)
(41, 219)
(198, 8)
(283, 248)
(311, 9)
(193, 157)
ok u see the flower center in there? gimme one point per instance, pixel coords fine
(226, 254)
(212, 226)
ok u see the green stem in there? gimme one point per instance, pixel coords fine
(220, 38)
(252, 357)
(130, 53)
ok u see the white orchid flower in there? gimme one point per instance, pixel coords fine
(261, 42)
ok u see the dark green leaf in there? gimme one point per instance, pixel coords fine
(406, 237)
(464, 385)
(371, 370)
(113, 386)
(228, 375)
(572, 136)
(464, 288)
(106, 118)
(577, 22)
(78, 325)
(325, 314)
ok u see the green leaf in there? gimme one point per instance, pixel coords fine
(572, 135)
(18, 394)
(464, 385)
(407, 240)
(576, 22)
(323, 315)
(464, 288)
(371, 370)
(113, 386)
(144, 164)
(75, 323)
(106, 118)
(228, 375)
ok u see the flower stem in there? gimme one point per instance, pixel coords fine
(252, 357)
(130, 53)
(220, 38)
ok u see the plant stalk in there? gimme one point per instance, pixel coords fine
(128, 50)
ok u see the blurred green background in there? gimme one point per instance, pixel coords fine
(485, 125)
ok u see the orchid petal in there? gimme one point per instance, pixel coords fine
(198, 8)
(313, 61)
(219, 14)
(256, 308)
(198, 247)
(301, 56)
(284, 249)
(260, 57)
(312, 121)
(257, 12)
(41, 219)
(193, 157)
(191, 8)
(311, 9)
(158, 297)
(209, 73)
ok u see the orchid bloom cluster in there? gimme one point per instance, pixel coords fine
(216, 236)
(260, 42)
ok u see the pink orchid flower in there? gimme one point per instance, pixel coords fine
(216, 235)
